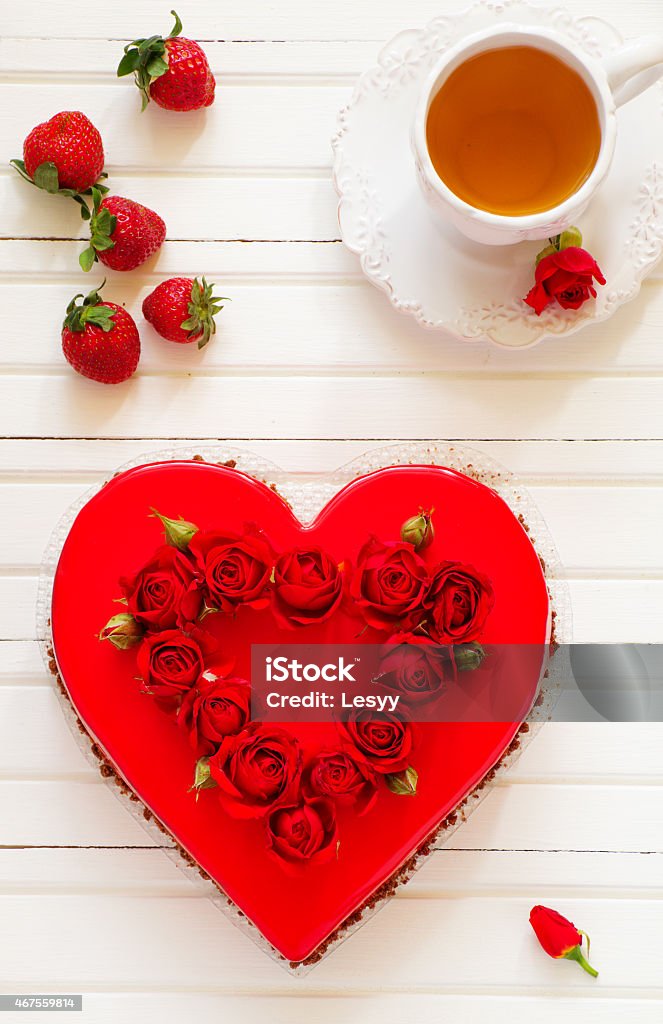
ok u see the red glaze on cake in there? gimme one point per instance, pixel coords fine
(113, 536)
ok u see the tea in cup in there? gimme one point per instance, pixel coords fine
(515, 130)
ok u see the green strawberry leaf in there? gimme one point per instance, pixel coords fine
(128, 64)
(46, 177)
(151, 43)
(19, 166)
(156, 67)
(101, 242)
(92, 311)
(87, 258)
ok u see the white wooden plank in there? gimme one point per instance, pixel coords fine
(547, 816)
(564, 463)
(323, 325)
(447, 873)
(255, 19)
(246, 127)
(18, 596)
(36, 743)
(606, 611)
(278, 262)
(378, 1008)
(231, 62)
(287, 406)
(243, 207)
(264, 262)
(442, 945)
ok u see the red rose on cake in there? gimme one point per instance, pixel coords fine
(389, 584)
(459, 601)
(304, 833)
(307, 587)
(214, 709)
(338, 776)
(172, 662)
(257, 770)
(416, 667)
(166, 592)
(236, 567)
(381, 738)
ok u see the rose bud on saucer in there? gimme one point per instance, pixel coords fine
(559, 937)
(565, 273)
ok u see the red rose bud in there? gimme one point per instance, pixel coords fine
(214, 709)
(178, 532)
(304, 833)
(380, 738)
(256, 770)
(416, 667)
(419, 530)
(165, 593)
(122, 631)
(308, 587)
(564, 274)
(559, 938)
(341, 778)
(403, 783)
(459, 600)
(389, 585)
(236, 568)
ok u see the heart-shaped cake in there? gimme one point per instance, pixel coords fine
(301, 824)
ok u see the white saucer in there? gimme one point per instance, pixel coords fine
(434, 273)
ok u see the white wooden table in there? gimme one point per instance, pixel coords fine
(310, 365)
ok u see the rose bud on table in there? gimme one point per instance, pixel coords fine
(559, 937)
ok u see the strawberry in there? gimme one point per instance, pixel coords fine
(63, 156)
(100, 339)
(183, 310)
(123, 234)
(173, 72)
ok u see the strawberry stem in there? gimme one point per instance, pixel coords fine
(46, 178)
(91, 311)
(147, 60)
(202, 307)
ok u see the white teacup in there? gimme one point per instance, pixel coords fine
(618, 78)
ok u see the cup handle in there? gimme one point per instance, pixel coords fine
(634, 67)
